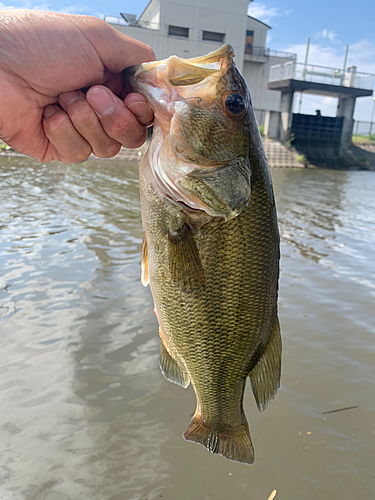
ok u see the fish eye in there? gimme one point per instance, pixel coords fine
(235, 104)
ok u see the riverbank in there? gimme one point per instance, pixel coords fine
(359, 156)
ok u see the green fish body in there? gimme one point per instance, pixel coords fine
(211, 244)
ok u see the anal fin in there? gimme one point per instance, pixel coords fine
(265, 376)
(171, 370)
(144, 263)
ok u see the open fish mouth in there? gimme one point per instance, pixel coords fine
(183, 71)
(158, 79)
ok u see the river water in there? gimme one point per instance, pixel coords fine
(85, 412)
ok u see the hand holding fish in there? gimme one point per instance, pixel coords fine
(44, 58)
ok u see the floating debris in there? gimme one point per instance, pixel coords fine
(273, 494)
(339, 409)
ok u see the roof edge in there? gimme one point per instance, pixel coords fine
(261, 22)
(144, 10)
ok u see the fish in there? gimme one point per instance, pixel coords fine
(210, 251)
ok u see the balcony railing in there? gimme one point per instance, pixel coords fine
(321, 74)
(138, 24)
(264, 52)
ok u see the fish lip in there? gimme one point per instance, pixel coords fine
(214, 56)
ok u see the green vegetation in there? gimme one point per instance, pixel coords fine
(261, 129)
(363, 139)
(288, 143)
(4, 146)
(301, 159)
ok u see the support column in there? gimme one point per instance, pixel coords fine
(345, 108)
(286, 107)
(272, 124)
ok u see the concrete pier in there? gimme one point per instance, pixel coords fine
(346, 86)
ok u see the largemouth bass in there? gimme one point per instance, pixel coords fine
(211, 243)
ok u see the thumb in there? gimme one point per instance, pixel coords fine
(116, 50)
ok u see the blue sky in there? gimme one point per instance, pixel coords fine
(330, 24)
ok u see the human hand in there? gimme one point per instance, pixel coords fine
(44, 59)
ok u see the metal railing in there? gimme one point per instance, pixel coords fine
(265, 52)
(321, 74)
(363, 128)
(119, 21)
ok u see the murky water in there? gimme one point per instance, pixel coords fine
(85, 412)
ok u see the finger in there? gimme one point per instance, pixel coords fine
(116, 119)
(67, 145)
(140, 109)
(87, 124)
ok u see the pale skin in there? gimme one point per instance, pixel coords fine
(62, 96)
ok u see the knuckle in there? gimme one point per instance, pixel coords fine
(120, 126)
(57, 121)
(108, 152)
(78, 154)
(82, 156)
(80, 113)
(135, 141)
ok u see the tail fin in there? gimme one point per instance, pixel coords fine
(232, 444)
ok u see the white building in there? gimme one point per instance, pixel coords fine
(189, 28)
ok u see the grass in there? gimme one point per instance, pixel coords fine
(261, 129)
(288, 143)
(301, 159)
(5, 147)
(363, 139)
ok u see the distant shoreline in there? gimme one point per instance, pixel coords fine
(359, 157)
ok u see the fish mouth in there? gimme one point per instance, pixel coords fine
(157, 80)
(176, 65)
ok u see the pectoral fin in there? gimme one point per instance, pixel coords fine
(144, 263)
(171, 370)
(265, 376)
(184, 260)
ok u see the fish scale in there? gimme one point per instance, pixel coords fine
(211, 254)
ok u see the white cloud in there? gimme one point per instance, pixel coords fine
(331, 35)
(6, 7)
(265, 12)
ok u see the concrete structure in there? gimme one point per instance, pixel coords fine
(188, 28)
(346, 85)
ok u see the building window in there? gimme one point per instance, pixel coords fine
(212, 36)
(178, 31)
(249, 33)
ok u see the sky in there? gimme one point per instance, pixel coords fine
(331, 25)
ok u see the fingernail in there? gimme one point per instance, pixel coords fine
(138, 108)
(101, 101)
(69, 97)
(48, 111)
